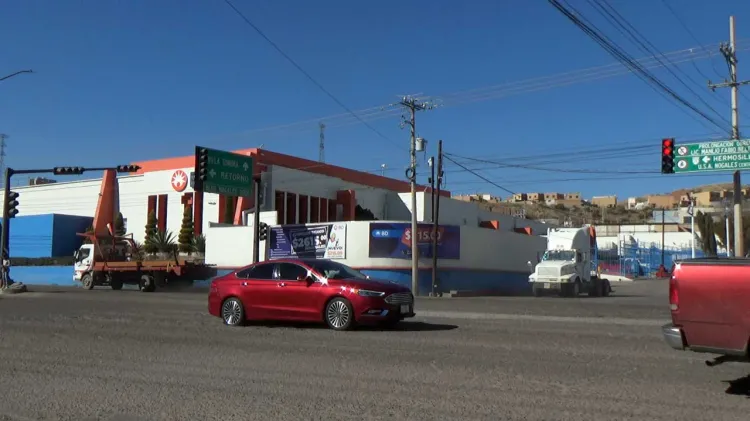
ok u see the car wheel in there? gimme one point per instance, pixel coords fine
(232, 312)
(339, 314)
(87, 282)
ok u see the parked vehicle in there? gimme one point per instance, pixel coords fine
(710, 303)
(308, 290)
(568, 267)
(114, 261)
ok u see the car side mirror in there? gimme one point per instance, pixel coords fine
(306, 279)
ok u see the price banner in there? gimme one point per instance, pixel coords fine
(314, 241)
(393, 240)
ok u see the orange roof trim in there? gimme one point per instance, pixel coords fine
(293, 162)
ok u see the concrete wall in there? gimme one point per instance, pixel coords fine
(458, 212)
(490, 260)
(49, 235)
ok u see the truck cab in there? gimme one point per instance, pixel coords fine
(84, 261)
(567, 266)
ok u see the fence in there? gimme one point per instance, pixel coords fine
(642, 260)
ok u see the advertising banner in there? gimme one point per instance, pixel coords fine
(393, 240)
(319, 241)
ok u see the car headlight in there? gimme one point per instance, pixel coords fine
(366, 293)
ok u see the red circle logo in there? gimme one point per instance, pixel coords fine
(179, 181)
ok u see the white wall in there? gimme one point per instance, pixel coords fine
(459, 212)
(481, 249)
(317, 185)
(645, 239)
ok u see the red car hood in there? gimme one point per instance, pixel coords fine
(388, 287)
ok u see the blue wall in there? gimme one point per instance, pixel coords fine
(64, 230)
(459, 280)
(49, 235)
(31, 236)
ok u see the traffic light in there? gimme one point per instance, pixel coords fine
(262, 231)
(11, 205)
(128, 168)
(667, 156)
(201, 163)
(68, 170)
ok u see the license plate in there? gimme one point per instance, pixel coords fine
(548, 285)
(405, 309)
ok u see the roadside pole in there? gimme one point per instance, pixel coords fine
(691, 212)
(256, 221)
(436, 220)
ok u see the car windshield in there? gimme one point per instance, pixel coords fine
(333, 270)
(559, 255)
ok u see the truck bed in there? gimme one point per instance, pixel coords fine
(178, 267)
(710, 306)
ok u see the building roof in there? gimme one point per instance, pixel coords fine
(274, 158)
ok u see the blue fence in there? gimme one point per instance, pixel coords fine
(642, 260)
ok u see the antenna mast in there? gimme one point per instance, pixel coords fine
(3, 137)
(322, 143)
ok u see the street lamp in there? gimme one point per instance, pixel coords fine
(15, 74)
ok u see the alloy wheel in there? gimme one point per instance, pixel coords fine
(231, 312)
(338, 314)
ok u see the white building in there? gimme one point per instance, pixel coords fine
(299, 190)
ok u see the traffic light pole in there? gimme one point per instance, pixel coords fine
(4, 239)
(5, 280)
(256, 221)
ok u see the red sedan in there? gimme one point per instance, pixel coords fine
(308, 290)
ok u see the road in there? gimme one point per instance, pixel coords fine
(71, 354)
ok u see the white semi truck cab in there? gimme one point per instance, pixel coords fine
(567, 266)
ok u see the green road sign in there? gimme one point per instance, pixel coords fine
(725, 155)
(223, 172)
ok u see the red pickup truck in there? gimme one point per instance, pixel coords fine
(710, 303)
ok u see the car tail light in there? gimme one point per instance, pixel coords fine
(674, 294)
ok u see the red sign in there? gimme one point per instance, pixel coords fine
(424, 235)
(179, 181)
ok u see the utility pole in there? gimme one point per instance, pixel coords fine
(691, 212)
(663, 228)
(436, 219)
(730, 55)
(3, 145)
(322, 143)
(413, 105)
(727, 212)
(431, 163)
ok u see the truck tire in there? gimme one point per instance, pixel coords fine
(114, 282)
(606, 288)
(147, 283)
(595, 289)
(537, 291)
(87, 282)
(571, 289)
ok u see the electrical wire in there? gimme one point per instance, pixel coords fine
(478, 175)
(692, 35)
(611, 14)
(495, 91)
(613, 49)
(307, 75)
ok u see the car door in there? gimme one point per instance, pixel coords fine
(258, 284)
(298, 297)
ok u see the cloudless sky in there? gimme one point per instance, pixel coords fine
(119, 81)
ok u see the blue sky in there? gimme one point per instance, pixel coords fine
(120, 81)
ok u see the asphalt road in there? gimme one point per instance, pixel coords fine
(78, 355)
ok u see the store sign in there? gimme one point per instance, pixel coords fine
(179, 181)
(318, 241)
(393, 240)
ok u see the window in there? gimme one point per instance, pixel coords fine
(290, 271)
(83, 254)
(264, 271)
(335, 270)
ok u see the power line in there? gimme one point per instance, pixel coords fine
(629, 31)
(613, 49)
(477, 174)
(530, 85)
(306, 74)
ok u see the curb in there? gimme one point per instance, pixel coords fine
(15, 288)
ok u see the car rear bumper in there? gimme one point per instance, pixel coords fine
(673, 336)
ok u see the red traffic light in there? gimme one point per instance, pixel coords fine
(667, 146)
